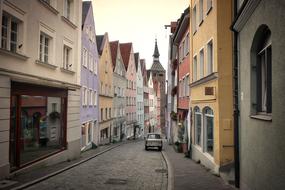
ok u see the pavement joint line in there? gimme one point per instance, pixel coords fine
(31, 183)
(170, 178)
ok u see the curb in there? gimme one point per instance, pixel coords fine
(25, 185)
(170, 178)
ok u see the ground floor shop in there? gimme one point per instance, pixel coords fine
(34, 124)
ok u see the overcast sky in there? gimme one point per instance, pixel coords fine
(139, 22)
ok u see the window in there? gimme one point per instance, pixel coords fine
(66, 57)
(95, 98)
(194, 24)
(106, 113)
(44, 47)
(209, 130)
(187, 44)
(90, 65)
(209, 5)
(84, 96)
(201, 14)
(110, 113)
(85, 57)
(261, 72)
(187, 85)
(202, 63)
(67, 8)
(101, 114)
(9, 37)
(90, 97)
(210, 65)
(42, 128)
(195, 68)
(95, 66)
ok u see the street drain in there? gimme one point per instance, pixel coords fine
(161, 170)
(6, 183)
(116, 181)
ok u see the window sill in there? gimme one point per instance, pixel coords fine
(209, 10)
(203, 80)
(48, 6)
(264, 117)
(48, 65)
(66, 20)
(201, 22)
(17, 55)
(67, 71)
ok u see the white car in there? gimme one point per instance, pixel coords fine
(153, 140)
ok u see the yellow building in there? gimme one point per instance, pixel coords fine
(106, 88)
(211, 95)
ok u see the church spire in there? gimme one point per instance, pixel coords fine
(155, 53)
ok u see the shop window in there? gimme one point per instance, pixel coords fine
(208, 130)
(38, 125)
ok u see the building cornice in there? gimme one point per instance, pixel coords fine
(244, 13)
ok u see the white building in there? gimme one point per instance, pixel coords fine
(40, 83)
(139, 96)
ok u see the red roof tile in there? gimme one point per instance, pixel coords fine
(125, 49)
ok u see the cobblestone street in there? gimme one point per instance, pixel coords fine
(127, 167)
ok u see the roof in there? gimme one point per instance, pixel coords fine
(142, 62)
(114, 50)
(125, 49)
(156, 66)
(156, 52)
(148, 74)
(137, 55)
(85, 8)
(99, 40)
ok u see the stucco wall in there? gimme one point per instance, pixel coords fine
(262, 145)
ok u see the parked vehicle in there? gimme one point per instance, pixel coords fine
(153, 140)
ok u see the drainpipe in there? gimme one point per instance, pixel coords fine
(236, 102)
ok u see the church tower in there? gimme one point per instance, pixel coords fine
(158, 76)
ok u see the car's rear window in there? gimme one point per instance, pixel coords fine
(153, 136)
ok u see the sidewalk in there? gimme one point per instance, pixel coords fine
(189, 175)
(31, 175)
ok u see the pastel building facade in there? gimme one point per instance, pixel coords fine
(129, 62)
(139, 96)
(106, 93)
(40, 83)
(120, 86)
(211, 83)
(89, 79)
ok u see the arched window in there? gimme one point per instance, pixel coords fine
(197, 124)
(208, 130)
(261, 73)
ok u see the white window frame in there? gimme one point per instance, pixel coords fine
(201, 11)
(194, 19)
(67, 57)
(195, 68)
(210, 59)
(95, 98)
(44, 53)
(90, 97)
(90, 62)
(85, 57)
(202, 62)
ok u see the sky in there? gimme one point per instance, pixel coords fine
(139, 22)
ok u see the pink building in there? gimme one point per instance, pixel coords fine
(129, 62)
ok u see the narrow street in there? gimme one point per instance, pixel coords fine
(127, 167)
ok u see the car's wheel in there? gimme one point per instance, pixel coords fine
(160, 148)
(146, 148)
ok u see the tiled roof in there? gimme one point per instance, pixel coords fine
(99, 40)
(137, 55)
(85, 8)
(156, 66)
(114, 50)
(125, 49)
